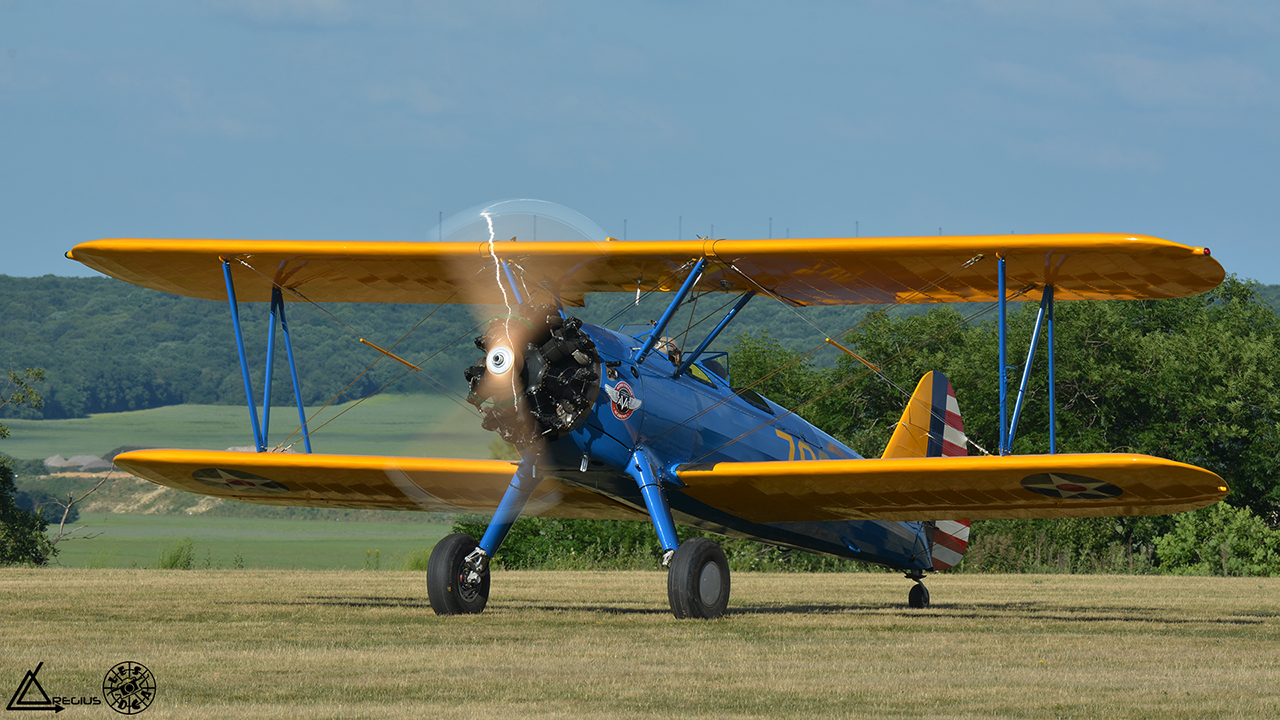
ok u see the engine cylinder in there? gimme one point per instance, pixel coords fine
(539, 378)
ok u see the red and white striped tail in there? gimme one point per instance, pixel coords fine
(931, 424)
(950, 540)
(951, 537)
(931, 427)
(954, 442)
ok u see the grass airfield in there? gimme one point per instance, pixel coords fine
(123, 541)
(411, 425)
(344, 644)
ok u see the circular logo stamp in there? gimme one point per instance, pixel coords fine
(1072, 487)
(622, 400)
(129, 688)
(224, 479)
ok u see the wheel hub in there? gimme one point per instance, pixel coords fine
(709, 584)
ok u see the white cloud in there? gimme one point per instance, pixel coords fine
(297, 13)
(1233, 17)
(177, 103)
(1205, 82)
(413, 94)
(1029, 80)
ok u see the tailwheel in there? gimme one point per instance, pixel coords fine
(457, 576)
(919, 596)
(698, 582)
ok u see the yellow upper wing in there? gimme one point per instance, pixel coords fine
(939, 488)
(830, 271)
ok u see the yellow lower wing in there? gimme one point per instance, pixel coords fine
(939, 488)
(1022, 486)
(361, 482)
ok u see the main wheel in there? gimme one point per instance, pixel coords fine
(698, 582)
(919, 596)
(445, 587)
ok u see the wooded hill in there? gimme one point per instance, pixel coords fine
(108, 346)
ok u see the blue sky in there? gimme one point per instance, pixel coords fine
(331, 120)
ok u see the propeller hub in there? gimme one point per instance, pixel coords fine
(500, 360)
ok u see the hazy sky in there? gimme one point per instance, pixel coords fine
(332, 120)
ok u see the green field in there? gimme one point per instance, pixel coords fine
(355, 644)
(126, 540)
(410, 425)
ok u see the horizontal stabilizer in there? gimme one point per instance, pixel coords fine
(979, 488)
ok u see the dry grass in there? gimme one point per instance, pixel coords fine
(580, 644)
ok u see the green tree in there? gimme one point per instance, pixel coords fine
(1190, 379)
(785, 376)
(22, 538)
(1220, 540)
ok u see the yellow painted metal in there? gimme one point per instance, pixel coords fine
(361, 482)
(910, 437)
(391, 355)
(800, 491)
(984, 487)
(854, 355)
(831, 271)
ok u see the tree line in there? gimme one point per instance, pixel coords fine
(108, 346)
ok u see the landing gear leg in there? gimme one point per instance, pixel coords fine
(918, 597)
(458, 570)
(698, 580)
(640, 468)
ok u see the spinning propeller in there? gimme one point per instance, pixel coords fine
(540, 373)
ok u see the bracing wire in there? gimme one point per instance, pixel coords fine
(803, 356)
(859, 376)
(934, 412)
(354, 332)
(640, 297)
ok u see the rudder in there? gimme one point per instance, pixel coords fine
(931, 427)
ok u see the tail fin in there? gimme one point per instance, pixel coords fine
(931, 424)
(931, 427)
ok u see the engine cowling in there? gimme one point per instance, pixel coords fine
(539, 378)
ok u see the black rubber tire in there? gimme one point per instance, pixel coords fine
(918, 598)
(447, 594)
(698, 582)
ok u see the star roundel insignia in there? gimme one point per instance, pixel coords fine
(1071, 487)
(237, 480)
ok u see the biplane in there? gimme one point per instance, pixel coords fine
(629, 425)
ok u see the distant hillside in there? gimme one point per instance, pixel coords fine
(1271, 293)
(108, 346)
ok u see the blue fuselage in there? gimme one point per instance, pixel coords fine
(696, 417)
